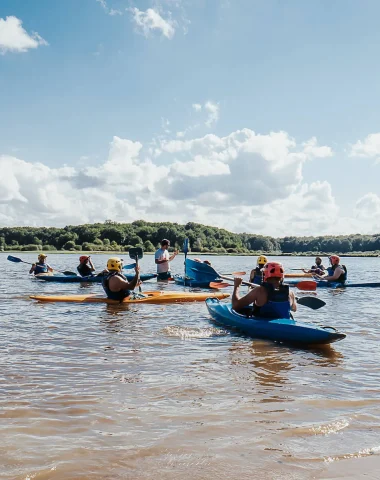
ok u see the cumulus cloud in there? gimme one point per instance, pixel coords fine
(370, 147)
(14, 38)
(151, 20)
(197, 107)
(243, 181)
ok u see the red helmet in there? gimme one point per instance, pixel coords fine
(83, 258)
(273, 269)
(334, 260)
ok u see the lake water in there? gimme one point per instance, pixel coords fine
(160, 392)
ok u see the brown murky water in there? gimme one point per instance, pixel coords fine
(147, 392)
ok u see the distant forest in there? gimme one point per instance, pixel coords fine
(113, 236)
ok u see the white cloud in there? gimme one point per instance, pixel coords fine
(370, 147)
(151, 20)
(197, 107)
(242, 182)
(213, 113)
(108, 10)
(13, 37)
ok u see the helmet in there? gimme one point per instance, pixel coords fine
(262, 260)
(115, 264)
(273, 270)
(41, 256)
(334, 260)
(83, 258)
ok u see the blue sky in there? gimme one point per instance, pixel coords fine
(100, 71)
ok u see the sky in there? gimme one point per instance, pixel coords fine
(254, 116)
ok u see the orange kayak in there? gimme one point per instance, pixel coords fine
(158, 296)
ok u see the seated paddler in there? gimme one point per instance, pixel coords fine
(317, 268)
(85, 267)
(272, 299)
(41, 266)
(256, 275)
(335, 272)
(115, 284)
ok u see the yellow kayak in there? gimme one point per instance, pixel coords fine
(158, 296)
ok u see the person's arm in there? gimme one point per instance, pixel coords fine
(50, 269)
(118, 283)
(240, 302)
(172, 257)
(32, 268)
(91, 264)
(293, 303)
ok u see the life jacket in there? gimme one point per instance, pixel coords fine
(41, 268)
(257, 277)
(277, 306)
(84, 270)
(114, 295)
(343, 277)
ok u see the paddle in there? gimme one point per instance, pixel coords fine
(214, 273)
(185, 251)
(135, 254)
(128, 267)
(305, 285)
(18, 260)
(311, 302)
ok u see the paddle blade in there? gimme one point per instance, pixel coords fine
(186, 246)
(219, 285)
(311, 302)
(307, 285)
(14, 259)
(128, 267)
(68, 273)
(136, 252)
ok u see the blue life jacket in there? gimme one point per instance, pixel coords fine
(343, 277)
(41, 268)
(277, 306)
(114, 295)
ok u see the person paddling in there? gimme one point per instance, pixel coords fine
(115, 284)
(318, 268)
(272, 299)
(256, 275)
(336, 272)
(41, 266)
(163, 259)
(85, 267)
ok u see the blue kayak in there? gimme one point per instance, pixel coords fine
(324, 284)
(90, 279)
(278, 329)
(192, 282)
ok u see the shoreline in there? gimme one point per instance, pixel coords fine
(195, 254)
(352, 469)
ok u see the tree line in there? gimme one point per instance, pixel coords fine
(113, 236)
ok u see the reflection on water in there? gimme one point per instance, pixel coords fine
(95, 391)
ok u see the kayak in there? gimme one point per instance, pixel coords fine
(159, 296)
(279, 329)
(324, 284)
(298, 275)
(191, 282)
(90, 279)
